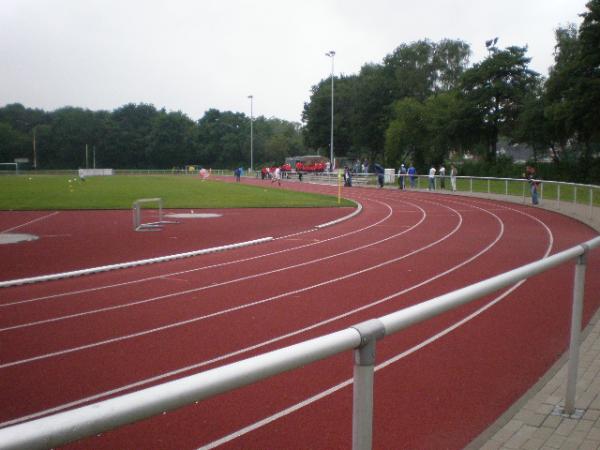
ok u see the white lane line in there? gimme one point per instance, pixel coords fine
(238, 261)
(211, 286)
(47, 216)
(287, 411)
(163, 376)
(240, 351)
(228, 310)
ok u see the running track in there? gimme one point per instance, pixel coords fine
(439, 384)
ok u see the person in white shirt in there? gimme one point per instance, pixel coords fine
(277, 176)
(453, 173)
(432, 178)
(442, 177)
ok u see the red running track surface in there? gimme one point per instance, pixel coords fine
(70, 342)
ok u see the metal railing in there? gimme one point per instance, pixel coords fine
(581, 200)
(89, 420)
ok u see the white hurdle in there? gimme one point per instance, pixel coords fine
(138, 225)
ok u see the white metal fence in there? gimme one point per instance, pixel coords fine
(61, 428)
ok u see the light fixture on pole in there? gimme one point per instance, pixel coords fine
(251, 136)
(331, 54)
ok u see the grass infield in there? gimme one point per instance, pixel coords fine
(55, 192)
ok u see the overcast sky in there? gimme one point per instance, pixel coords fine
(193, 55)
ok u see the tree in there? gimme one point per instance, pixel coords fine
(572, 93)
(13, 144)
(493, 92)
(224, 139)
(406, 136)
(171, 142)
(317, 116)
(128, 136)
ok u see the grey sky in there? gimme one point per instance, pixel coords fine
(192, 55)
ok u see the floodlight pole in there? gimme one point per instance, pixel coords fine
(331, 54)
(251, 97)
(34, 149)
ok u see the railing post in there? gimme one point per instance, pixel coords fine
(364, 370)
(558, 196)
(576, 316)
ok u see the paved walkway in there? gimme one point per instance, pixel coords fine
(535, 421)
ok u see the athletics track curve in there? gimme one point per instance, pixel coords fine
(439, 384)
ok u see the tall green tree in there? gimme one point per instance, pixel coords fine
(128, 136)
(493, 92)
(171, 142)
(406, 137)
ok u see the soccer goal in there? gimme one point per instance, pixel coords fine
(146, 211)
(10, 167)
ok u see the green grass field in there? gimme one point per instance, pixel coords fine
(52, 192)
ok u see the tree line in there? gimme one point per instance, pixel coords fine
(139, 136)
(424, 103)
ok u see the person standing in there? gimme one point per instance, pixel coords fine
(412, 175)
(402, 176)
(533, 183)
(347, 177)
(432, 178)
(453, 173)
(276, 176)
(379, 171)
(442, 177)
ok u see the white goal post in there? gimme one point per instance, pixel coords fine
(139, 225)
(13, 164)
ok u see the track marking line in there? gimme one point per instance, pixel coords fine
(256, 346)
(210, 286)
(47, 216)
(384, 364)
(238, 261)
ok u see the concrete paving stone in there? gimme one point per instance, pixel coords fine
(555, 441)
(594, 434)
(554, 399)
(520, 437)
(592, 414)
(544, 408)
(552, 421)
(491, 445)
(543, 433)
(513, 425)
(570, 444)
(530, 418)
(531, 404)
(566, 427)
(584, 425)
(533, 444)
(596, 403)
(505, 433)
(589, 445)
(578, 436)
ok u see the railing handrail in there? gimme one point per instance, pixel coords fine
(64, 427)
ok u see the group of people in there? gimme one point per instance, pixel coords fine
(411, 174)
